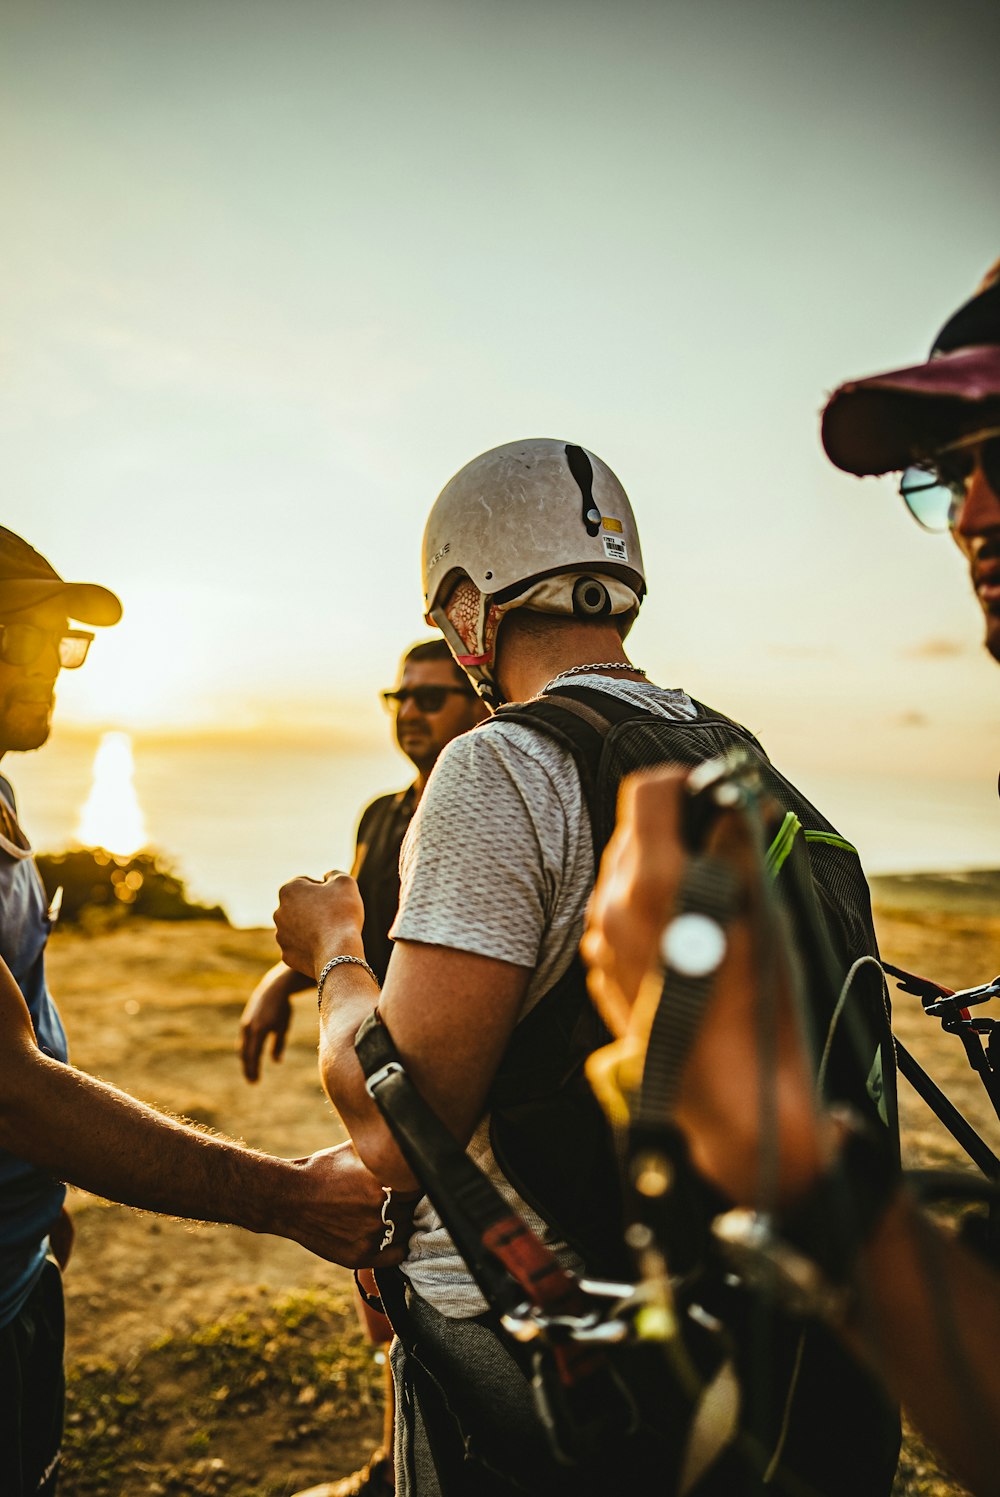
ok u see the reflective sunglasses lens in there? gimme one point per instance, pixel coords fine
(928, 500)
(73, 651)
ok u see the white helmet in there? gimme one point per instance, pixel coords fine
(539, 523)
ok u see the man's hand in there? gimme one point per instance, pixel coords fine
(639, 877)
(335, 1210)
(316, 920)
(720, 1102)
(268, 1012)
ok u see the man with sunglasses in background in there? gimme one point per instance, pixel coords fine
(433, 703)
(911, 1301)
(57, 1123)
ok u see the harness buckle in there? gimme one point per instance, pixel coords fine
(391, 1068)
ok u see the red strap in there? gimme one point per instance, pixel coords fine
(549, 1287)
(923, 982)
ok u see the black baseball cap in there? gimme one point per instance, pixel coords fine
(882, 423)
(27, 579)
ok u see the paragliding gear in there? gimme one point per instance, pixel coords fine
(806, 1259)
(547, 1131)
(561, 1327)
(541, 524)
(561, 1159)
(977, 1036)
(656, 1349)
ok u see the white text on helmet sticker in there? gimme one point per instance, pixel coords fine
(615, 548)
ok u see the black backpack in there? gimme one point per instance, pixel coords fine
(552, 1141)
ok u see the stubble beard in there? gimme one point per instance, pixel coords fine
(24, 726)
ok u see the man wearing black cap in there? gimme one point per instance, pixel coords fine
(56, 1123)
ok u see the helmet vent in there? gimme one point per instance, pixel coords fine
(582, 470)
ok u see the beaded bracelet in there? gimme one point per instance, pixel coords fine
(338, 961)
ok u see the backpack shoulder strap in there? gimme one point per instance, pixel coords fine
(579, 727)
(600, 731)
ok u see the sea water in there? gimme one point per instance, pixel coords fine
(237, 817)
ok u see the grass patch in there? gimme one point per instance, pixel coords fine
(253, 1405)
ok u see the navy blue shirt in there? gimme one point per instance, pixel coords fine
(30, 1199)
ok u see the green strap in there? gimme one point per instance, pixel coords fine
(832, 839)
(781, 846)
(784, 841)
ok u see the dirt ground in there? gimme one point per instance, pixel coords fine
(155, 1008)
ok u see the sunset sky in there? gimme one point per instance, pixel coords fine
(273, 271)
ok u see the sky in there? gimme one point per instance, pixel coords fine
(274, 271)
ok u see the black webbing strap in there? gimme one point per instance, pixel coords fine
(709, 890)
(506, 1258)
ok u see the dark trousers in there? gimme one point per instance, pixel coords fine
(467, 1423)
(32, 1391)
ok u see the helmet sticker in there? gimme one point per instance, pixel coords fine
(615, 548)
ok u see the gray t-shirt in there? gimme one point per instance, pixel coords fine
(499, 861)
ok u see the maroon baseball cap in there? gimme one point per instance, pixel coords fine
(27, 579)
(882, 423)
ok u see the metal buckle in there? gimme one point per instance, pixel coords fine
(391, 1068)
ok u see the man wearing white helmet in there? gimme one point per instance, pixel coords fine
(533, 572)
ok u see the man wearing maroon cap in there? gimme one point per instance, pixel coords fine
(56, 1123)
(909, 1299)
(938, 423)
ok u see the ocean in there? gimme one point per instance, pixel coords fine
(235, 818)
(238, 817)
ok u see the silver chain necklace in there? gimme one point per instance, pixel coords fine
(601, 665)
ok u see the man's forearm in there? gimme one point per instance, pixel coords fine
(347, 1002)
(291, 982)
(84, 1131)
(92, 1135)
(927, 1318)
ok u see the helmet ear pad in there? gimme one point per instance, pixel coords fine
(469, 621)
(590, 599)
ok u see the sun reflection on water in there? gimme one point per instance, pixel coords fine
(111, 816)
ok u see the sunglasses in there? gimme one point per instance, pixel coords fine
(21, 644)
(428, 699)
(933, 489)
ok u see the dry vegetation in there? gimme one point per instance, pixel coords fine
(206, 1360)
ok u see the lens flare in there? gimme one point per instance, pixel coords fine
(112, 817)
